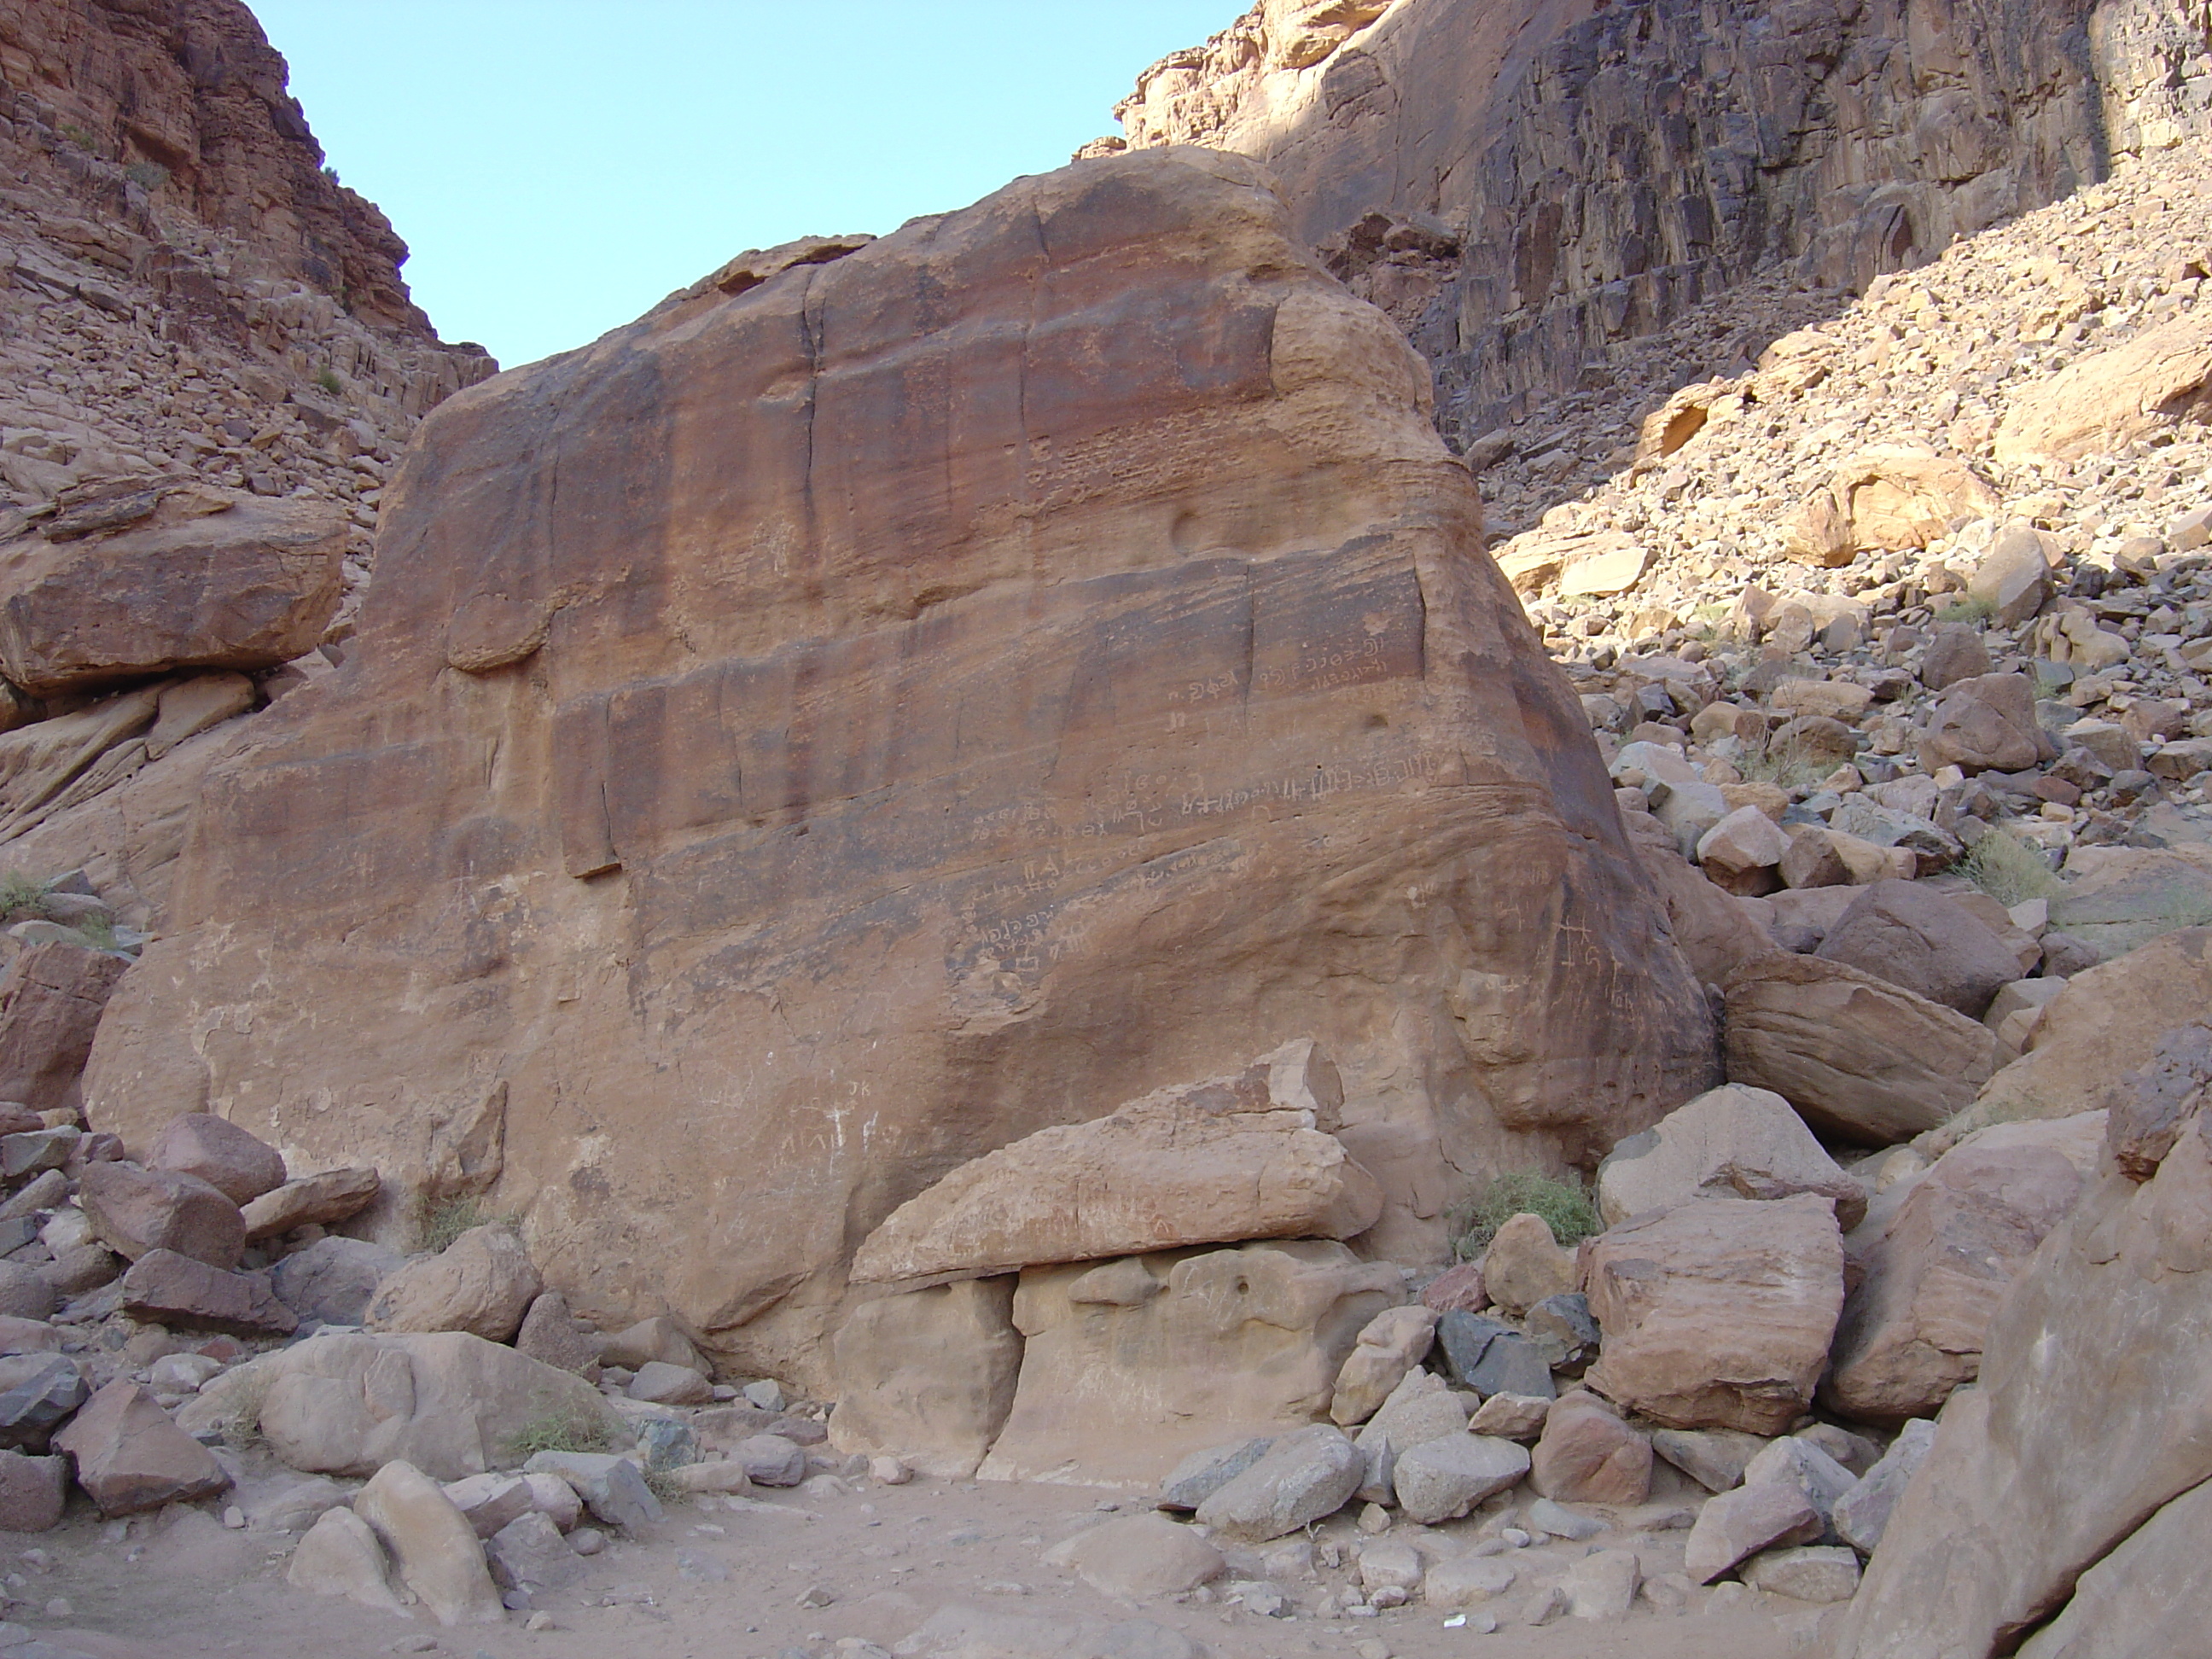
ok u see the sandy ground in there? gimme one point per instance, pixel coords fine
(713, 1583)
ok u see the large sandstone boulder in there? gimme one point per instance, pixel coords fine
(1042, 655)
(1928, 1272)
(2097, 403)
(1246, 1156)
(201, 579)
(451, 1404)
(927, 1376)
(2104, 1026)
(1717, 1313)
(483, 1282)
(2092, 1419)
(1934, 947)
(1129, 1366)
(1863, 1060)
(1732, 1142)
(52, 996)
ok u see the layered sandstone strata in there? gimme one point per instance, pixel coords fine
(886, 703)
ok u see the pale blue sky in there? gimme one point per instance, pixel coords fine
(558, 166)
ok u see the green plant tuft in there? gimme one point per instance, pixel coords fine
(21, 897)
(326, 378)
(1966, 609)
(97, 932)
(2009, 871)
(560, 1428)
(447, 1219)
(149, 176)
(1565, 1207)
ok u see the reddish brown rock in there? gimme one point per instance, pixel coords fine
(237, 1164)
(1586, 1455)
(1457, 1290)
(129, 1455)
(174, 1289)
(1023, 663)
(205, 581)
(1717, 1313)
(135, 1210)
(323, 1200)
(51, 1000)
(33, 1492)
(1932, 946)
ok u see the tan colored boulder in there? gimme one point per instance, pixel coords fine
(341, 1555)
(1860, 1059)
(2148, 1595)
(1717, 1313)
(1715, 936)
(974, 762)
(133, 1211)
(1985, 724)
(1138, 1557)
(1586, 1455)
(2091, 1415)
(927, 1376)
(1928, 1272)
(2014, 577)
(432, 1544)
(1742, 853)
(451, 1404)
(1740, 1523)
(130, 1456)
(207, 580)
(2101, 1027)
(1890, 496)
(235, 1163)
(1730, 1142)
(1393, 1343)
(1524, 1264)
(52, 996)
(1129, 1366)
(482, 1282)
(192, 706)
(658, 1337)
(1212, 1163)
(322, 1200)
(1918, 939)
(2097, 403)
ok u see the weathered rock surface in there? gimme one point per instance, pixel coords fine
(1740, 1523)
(234, 1163)
(1393, 1342)
(927, 1376)
(2146, 1597)
(550, 1335)
(37, 1391)
(1862, 1060)
(131, 1456)
(204, 581)
(1931, 945)
(321, 1200)
(529, 1554)
(1861, 1515)
(1524, 1264)
(33, 1492)
(449, 1403)
(1732, 1142)
(1181, 703)
(1929, 1273)
(1140, 1556)
(341, 1555)
(2057, 1431)
(1717, 1313)
(1448, 1476)
(133, 1211)
(52, 996)
(2102, 401)
(168, 1289)
(1214, 1162)
(1129, 1366)
(482, 1282)
(1587, 1455)
(1302, 1477)
(333, 1279)
(432, 1545)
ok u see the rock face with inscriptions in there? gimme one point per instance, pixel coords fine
(889, 701)
(1522, 185)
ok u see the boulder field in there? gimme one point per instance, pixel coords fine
(892, 699)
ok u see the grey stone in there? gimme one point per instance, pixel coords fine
(332, 1280)
(1491, 1358)
(1820, 1573)
(667, 1444)
(1741, 1524)
(1557, 1519)
(770, 1459)
(37, 1391)
(1602, 1585)
(612, 1488)
(25, 1293)
(1862, 1514)
(1440, 1478)
(1714, 1458)
(553, 1336)
(1302, 1477)
(1562, 1332)
(1804, 1467)
(529, 1554)
(1203, 1473)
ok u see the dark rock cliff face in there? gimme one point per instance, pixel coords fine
(188, 96)
(1522, 184)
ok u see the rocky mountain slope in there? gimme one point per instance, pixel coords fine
(1527, 187)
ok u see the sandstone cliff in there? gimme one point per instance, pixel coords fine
(1525, 186)
(888, 702)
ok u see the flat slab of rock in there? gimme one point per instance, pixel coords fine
(432, 1544)
(927, 1376)
(1304, 1476)
(324, 1200)
(1717, 1313)
(2099, 401)
(174, 1289)
(1212, 1163)
(131, 1456)
(1140, 1556)
(210, 579)
(1860, 1059)
(52, 996)
(236, 1164)
(1730, 1142)
(1739, 1524)
(1448, 1476)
